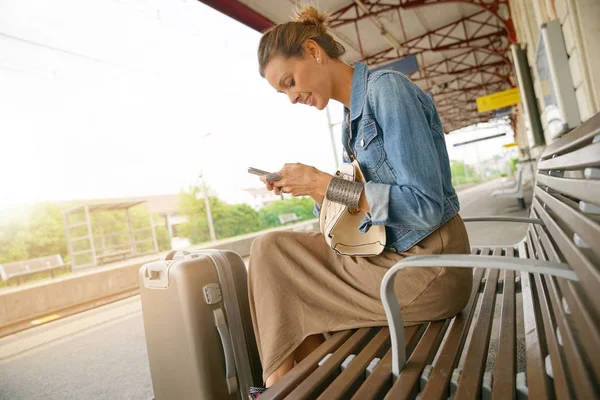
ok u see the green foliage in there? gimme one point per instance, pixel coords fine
(234, 220)
(38, 230)
(301, 206)
(162, 238)
(463, 174)
(512, 163)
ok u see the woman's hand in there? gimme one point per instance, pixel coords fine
(300, 180)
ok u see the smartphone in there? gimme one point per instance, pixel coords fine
(257, 171)
(260, 172)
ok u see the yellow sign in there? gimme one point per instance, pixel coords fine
(498, 100)
(510, 145)
(45, 319)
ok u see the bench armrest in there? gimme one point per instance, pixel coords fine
(505, 219)
(392, 307)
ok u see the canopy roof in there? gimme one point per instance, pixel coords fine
(462, 47)
(92, 207)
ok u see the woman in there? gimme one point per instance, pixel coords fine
(299, 288)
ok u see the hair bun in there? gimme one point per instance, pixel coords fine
(311, 16)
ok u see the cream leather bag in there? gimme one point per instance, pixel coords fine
(339, 225)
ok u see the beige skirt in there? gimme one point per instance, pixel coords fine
(299, 287)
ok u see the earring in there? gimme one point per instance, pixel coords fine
(318, 60)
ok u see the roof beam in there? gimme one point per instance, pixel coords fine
(500, 9)
(241, 12)
(487, 87)
(478, 69)
(448, 37)
(458, 60)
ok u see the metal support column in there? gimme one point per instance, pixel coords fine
(332, 136)
(91, 235)
(154, 241)
(211, 227)
(131, 234)
(68, 236)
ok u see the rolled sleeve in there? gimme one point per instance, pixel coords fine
(378, 194)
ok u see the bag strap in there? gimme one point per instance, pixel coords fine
(347, 145)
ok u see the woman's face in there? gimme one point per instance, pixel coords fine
(302, 79)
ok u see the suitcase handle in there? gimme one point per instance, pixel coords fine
(223, 330)
(172, 253)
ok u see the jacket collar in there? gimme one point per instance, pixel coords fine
(359, 90)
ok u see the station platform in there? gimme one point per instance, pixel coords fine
(101, 353)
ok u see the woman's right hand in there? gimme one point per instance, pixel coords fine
(271, 188)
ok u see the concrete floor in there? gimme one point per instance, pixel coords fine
(477, 201)
(101, 354)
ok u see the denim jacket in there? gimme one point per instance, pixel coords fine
(396, 135)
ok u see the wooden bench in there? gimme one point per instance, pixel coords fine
(544, 291)
(22, 269)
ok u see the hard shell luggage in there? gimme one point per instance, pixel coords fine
(198, 327)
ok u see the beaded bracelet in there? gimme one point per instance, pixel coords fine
(344, 192)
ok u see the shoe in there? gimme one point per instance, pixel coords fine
(255, 392)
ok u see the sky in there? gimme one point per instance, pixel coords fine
(119, 98)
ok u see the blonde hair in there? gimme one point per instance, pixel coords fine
(288, 39)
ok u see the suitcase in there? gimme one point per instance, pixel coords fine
(198, 327)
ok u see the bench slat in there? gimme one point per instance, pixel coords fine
(578, 159)
(504, 371)
(469, 386)
(356, 370)
(582, 384)
(537, 380)
(437, 386)
(588, 275)
(576, 138)
(306, 366)
(407, 384)
(561, 386)
(587, 228)
(585, 326)
(578, 373)
(381, 378)
(308, 388)
(582, 189)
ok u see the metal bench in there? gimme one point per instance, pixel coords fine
(113, 256)
(512, 183)
(544, 291)
(515, 190)
(22, 269)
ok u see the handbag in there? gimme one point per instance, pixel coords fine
(339, 224)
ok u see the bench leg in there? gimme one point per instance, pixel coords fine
(521, 203)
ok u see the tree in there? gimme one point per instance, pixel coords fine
(38, 233)
(463, 173)
(38, 230)
(301, 206)
(233, 220)
(229, 220)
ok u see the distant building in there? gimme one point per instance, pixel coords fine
(260, 197)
